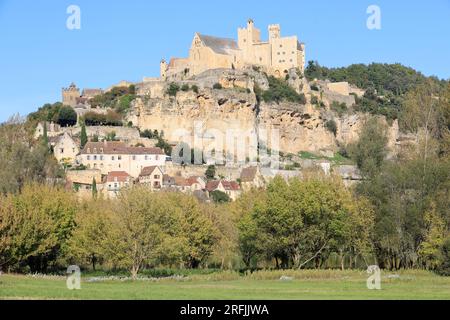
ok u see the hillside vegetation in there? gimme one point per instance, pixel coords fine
(386, 85)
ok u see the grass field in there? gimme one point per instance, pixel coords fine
(266, 285)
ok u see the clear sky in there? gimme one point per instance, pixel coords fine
(125, 40)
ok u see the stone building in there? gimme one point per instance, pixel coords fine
(65, 148)
(110, 156)
(71, 95)
(116, 181)
(277, 55)
(53, 130)
(251, 177)
(152, 177)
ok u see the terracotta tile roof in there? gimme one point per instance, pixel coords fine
(227, 185)
(181, 182)
(248, 174)
(117, 147)
(118, 176)
(193, 180)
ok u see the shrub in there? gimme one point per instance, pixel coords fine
(194, 88)
(112, 118)
(185, 87)
(280, 90)
(217, 86)
(314, 87)
(173, 89)
(339, 108)
(220, 197)
(331, 126)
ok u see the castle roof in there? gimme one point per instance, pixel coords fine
(118, 147)
(219, 45)
(118, 176)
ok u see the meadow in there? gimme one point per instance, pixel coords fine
(263, 285)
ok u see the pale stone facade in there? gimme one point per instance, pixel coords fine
(70, 95)
(277, 55)
(66, 149)
(116, 156)
(53, 130)
(152, 177)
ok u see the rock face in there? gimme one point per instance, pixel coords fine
(212, 112)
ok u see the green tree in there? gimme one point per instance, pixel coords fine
(67, 117)
(370, 150)
(94, 188)
(210, 172)
(83, 136)
(220, 197)
(34, 226)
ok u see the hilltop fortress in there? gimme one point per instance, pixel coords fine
(275, 56)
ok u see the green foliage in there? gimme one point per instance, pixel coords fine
(331, 126)
(67, 117)
(22, 159)
(217, 86)
(34, 226)
(339, 108)
(194, 88)
(386, 84)
(370, 150)
(220, 197)
(210, 173)
(118, 98)
(48, 112)
(280, 90)
(94, 188)
(173, 89)
(185, 87)
(83, 136)
(111, 118)
(299, 222)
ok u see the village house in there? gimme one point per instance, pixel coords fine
(116, 181)
(81, 181)
(251, 177)
(53, 130)
(65, 148)
(196, 183)
(110, 156)
(230, 188)
(152, 177)
(277, 55)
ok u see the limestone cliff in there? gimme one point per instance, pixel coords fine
(235, 106)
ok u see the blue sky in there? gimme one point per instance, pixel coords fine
(125, 40)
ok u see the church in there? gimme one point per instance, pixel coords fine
(275, 56)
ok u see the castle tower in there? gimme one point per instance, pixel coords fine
(70, 95)
(163, 69)
(274, 31)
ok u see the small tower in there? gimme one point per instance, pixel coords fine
(163, 69)
(70, 95)
(274, 31)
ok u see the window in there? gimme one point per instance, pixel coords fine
(157, 158)
(61, 150)
(119, 157)
(157, 176)
(278, 53)
(146, 157)
(101, 158)
(95, 157)
(112, 158)
(134, 157)
(88, 158)
(73, 150)
(101, 150)
(281, 46)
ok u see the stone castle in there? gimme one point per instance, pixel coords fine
(275, 56)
